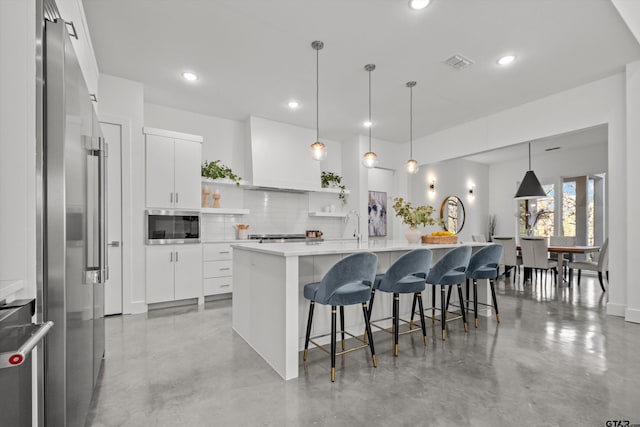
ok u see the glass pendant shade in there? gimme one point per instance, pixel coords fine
(412, 166)
(370, 159)
(318, 151)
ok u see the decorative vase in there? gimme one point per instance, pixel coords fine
(216, 199)
(205, 197)
(413, 235)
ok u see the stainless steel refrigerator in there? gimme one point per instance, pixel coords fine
(74, 262)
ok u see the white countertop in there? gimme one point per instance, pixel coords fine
(329, 248)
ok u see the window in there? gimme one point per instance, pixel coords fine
(537, 215)
(568, 208)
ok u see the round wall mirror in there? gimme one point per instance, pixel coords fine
(452, 214)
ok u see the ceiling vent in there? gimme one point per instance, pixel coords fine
(552, 149)
(458, 62)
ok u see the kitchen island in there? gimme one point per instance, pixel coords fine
(269, 309)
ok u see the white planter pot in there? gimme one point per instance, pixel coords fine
(413, 235)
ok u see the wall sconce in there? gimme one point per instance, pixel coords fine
(432, 186)
(472, 191)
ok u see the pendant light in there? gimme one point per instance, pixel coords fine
(370, 159)
(530, 187)
(412, 165)
(318, 149)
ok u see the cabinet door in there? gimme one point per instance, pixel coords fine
(187, 174)
(159, 156)
(160, 262)
(188, 271)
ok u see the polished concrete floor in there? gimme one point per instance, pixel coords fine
(555, 360)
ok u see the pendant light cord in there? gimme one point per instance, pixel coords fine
(317, 94)
(370, 122)
(411, 122)
(529, 156)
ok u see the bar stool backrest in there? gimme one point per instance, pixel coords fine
(417, 262)
(356, 268)
(489, 256)
(456, 259)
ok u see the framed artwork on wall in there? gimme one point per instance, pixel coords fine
(377, 213)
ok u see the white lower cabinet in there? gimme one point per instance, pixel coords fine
(217, 271)
(173, 272)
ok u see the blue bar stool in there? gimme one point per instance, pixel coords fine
(348, 282)
(405, 276)
(448, 271)
(484, 265)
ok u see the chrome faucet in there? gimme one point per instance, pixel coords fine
(356, 231)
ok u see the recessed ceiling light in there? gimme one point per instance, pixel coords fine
(418, 4)
(367, 124)
(191, 77)
(293, 104)
(506, 60)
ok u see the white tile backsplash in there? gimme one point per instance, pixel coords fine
(271, 212)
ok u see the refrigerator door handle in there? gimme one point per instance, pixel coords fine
(102, 201)
(96, 258)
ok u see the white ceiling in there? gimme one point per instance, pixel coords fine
(255, 55)
(577, 140)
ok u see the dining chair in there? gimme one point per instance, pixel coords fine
(562, 241)
(535, 257)
(348, 282)
(510, 258)
(406, 275)
(602, 266)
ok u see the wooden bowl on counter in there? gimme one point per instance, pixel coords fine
(427, 238)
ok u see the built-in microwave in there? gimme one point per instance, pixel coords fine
(171, 227)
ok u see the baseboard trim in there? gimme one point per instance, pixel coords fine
(632, 315)
(614, 309)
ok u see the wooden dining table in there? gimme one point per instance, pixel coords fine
(572, 251)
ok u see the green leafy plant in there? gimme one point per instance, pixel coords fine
(215, 170)
(414, 216)
(328, 178)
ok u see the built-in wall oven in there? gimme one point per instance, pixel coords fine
(171, 226)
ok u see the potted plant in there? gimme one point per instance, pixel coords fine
(413, 216)
(216, 170)
(332, 180)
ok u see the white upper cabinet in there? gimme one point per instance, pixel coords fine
(172, 169)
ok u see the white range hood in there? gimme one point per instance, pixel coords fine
(278, 156)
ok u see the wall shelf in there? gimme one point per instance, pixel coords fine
(224, 181)
(329, 214)
(224, 211)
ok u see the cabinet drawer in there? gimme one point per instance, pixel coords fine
(217, 285)
(217, 251)
(217, 268)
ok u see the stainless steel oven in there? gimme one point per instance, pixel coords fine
(171, 226)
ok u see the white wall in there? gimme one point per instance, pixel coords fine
(453, 178)
(124, 99)
(549, 167)
(596, 103)
(632, 312)
(17, 144)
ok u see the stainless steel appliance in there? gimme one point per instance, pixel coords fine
(74, 260)
(18, 336)
(278, 238)
(172, 226)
